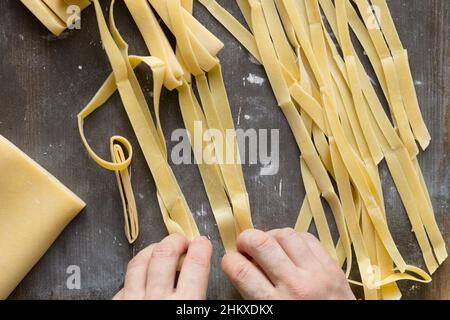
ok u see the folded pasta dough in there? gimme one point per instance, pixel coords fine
(34, 208)
(54, 14)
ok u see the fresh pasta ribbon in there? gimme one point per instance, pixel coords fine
(407, 88)
(217, 113)
(126, 193)
(390, 73)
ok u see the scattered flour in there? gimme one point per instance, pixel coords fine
(254, 79)
(239, 116)
(202, 212)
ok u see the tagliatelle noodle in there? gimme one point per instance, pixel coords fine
(407, 88)
(352, 74)
(390, 72)
(280, 41)
(80, 3)
(126, 193)
(217, 111)
(246, 38)
(317, 211)
(344, 186)
(244, 6)
(211, 175)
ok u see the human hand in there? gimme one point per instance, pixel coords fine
(285, 265)
(151, 273)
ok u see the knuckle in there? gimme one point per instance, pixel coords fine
(261, 242)
(297, 290)
(197, 259)
(334, 287)
(241, 272)
(163, 250)
(203, 244)
(308, 236)
(287, 234)
(177, 238)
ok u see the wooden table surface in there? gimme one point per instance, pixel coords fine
(45, 81)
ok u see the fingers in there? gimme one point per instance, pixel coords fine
(163, 266)
(136, 275)
(193, 280)
(267, 253)
(296, 247)
(246, 277)
(319, 250)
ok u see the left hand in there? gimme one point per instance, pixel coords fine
(152, 272)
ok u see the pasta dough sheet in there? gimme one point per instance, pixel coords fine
(34, 209)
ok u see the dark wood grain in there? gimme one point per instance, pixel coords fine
(45, 81)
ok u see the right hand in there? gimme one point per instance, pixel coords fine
(284, 265)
